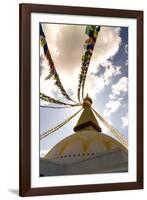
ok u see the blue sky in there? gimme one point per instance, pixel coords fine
(106, 83)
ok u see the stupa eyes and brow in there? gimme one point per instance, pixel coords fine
(87, 150)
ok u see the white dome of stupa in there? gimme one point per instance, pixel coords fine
(82, 145)
(86, 151)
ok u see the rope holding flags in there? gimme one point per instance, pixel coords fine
(92, 32)
(52, 71)
(52, 100)
(52, 130)
(57, 107)
(113, 130)
(44, 45)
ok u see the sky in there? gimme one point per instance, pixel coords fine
(106, 82)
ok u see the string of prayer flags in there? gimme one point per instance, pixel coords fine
(52, 71)
(92, 32)
(52, 100)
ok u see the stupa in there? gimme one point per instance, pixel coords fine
(86, 151)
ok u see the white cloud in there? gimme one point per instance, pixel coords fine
(126, 62)
(66, 46)
(94, 85)
(110, 70)
(126, 48)
(107, 45)
(112, 106)
(125, 120)
(111, 96)
(115, 102)
(120, 86)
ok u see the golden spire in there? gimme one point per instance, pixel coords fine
(87, 119)
(87, 102)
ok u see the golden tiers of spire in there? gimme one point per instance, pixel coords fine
(87, 120)
(87, 102)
